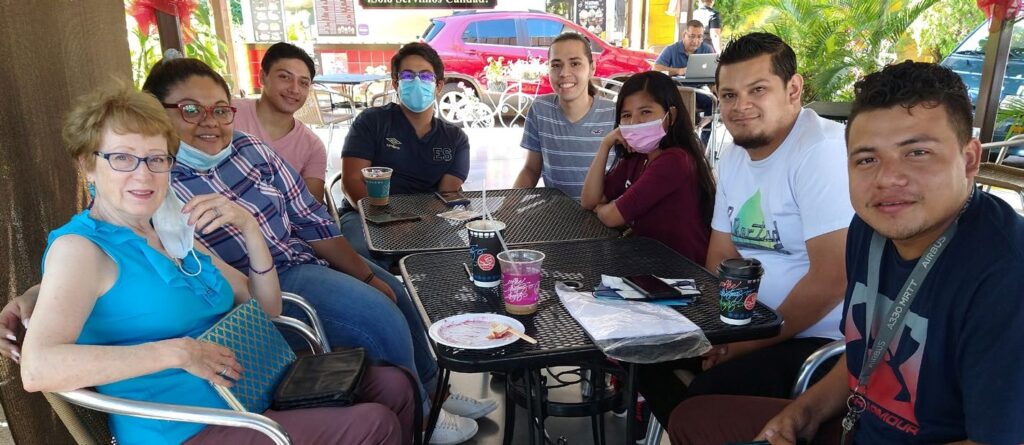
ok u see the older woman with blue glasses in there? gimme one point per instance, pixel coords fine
(125, 293)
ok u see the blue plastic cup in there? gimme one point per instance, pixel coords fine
(378, 184)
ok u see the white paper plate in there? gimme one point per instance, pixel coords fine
(470, 331)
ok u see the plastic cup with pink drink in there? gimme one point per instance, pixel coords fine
(520, 280)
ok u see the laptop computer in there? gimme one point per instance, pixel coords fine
(701, 66)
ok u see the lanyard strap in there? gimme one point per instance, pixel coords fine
(897, 316)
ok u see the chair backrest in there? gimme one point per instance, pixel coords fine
(310, 113)
(1002, 146)
(332, 206)
(815, 360)
(30, 418)
(87, 427)
(689, 96)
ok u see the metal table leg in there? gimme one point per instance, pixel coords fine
(530, 414)
(631, 400)
(435, 407)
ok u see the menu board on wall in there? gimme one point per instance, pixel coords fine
(335, 17)
(268, 20)
(590, 15)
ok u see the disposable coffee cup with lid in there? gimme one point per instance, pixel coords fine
(738, 283)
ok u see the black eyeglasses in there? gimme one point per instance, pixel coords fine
(426, 76)
(195, 113)
(125, 162)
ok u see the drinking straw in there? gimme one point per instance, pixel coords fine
(487, 214)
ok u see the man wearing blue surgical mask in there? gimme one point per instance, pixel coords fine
(427, 154)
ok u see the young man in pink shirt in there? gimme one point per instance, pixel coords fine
(286, 73)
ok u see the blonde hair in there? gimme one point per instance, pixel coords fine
(123, 110)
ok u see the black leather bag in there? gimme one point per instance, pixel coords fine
(321, 380)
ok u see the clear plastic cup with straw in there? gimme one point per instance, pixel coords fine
(520, 280)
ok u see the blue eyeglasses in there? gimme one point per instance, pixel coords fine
(425, 76)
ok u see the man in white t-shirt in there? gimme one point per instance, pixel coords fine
(782, 198)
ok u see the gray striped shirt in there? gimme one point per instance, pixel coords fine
(567, 148)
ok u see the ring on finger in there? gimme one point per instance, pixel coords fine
(217, 212)
(223, 372)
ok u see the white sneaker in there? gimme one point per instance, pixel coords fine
(469, 407)
(452, 429)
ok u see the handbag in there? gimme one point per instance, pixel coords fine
(327, 379)
(259, 347)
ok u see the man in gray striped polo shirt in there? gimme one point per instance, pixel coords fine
(563, 130)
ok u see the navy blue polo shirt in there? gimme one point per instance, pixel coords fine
(674, 55)
(383, 136)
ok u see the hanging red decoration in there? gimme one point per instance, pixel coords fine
(1000, 10)
(144, 12)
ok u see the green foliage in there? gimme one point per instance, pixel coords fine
(944, 25)
(559, 7)
(145, 49)
(836, 41)
(236, 12)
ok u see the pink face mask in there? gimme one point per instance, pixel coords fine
(644, 137)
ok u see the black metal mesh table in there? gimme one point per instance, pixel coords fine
(537, 215)
(439, 284)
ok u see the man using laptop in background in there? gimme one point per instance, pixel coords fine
(675, 57)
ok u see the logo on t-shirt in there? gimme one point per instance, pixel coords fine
(751, 230)
(442, 154)
(893, 387)
(597, 132)
(393, 143)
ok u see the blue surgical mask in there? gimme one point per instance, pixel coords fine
(416, 94)
(198, 159)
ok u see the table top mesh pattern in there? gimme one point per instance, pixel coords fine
(440, 284)
(537, 215)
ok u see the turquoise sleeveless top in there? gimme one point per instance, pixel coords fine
(151, 300)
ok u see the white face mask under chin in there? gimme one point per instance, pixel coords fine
(174, 232)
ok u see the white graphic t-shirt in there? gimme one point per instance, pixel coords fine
(773, 206)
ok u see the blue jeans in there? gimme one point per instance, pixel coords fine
(356, 314)
(352, 229)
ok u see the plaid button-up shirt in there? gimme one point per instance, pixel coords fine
(254, 177)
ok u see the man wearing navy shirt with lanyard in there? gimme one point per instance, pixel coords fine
(933, 317)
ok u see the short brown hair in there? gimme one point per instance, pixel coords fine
(123, 110)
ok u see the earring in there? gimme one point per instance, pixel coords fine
(91, 188)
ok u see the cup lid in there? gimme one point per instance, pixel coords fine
(485, 225)
(521, 256)
(741, 267)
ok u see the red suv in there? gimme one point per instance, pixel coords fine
(466, 40)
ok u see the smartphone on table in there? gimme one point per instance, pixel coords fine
(452, 199)
(391, 218)
(652, 287)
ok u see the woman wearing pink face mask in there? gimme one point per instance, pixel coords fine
(660, 185)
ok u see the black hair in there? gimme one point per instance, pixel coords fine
(680, 133)
(418, 49)
(909, 84)
(283, 50)
(757, 44)
(571, 36)
(167, 73)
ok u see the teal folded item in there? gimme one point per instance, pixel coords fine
(259, 348)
